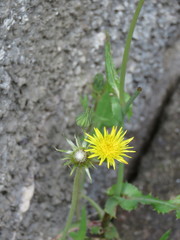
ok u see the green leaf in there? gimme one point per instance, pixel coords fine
(130, 190)
(96, 229)
(110, 206)
(111, 191)
(176, 201)
(84, 102)
(129, 111)
(111, 74)
(111, 232)
(116, 110)
(103, 115)
(132, 196)
(166, 235)
(81, 234)
(127, 204)
(98, 83)
(127, 49)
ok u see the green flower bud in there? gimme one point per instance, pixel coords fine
(77, 156)
(84, 119)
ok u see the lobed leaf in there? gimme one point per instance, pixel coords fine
(132, 196)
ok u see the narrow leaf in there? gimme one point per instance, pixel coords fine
(111, 74)
(166, 235)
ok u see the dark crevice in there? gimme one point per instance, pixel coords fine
(134, 170)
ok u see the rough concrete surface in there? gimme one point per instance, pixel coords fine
(49, 52)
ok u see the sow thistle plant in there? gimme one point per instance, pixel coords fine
(104, 141)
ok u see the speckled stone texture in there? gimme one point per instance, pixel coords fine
(49, 52)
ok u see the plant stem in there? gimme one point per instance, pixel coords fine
(81, 185)
(131, 100)
(75, 193)
(95, 205)
(120, 176)
(126, 52)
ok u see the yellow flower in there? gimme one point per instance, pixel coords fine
(110, 146)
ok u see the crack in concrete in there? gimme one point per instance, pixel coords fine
(155, 126)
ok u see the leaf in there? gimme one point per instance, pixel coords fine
(176, 201)
(81, 234)
(166, 235)
(130, 190)
(111, 232)
(116, 110)
(111, 190)
(96, 229)
(103, 115)
(132, 196)
(110, 206)
(111, 74)
(127, 204)
(98, 83)
(84, 102)
(129, 111)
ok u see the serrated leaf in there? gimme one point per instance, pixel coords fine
(162, 207)
(127, 204)
(110, 206)
(132, 196)
(130, 190)
(166, 235)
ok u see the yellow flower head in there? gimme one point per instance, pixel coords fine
(110, 146)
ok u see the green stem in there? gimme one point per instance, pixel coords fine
(131, 100)
(75, 194)
(119, 183)
(95, 205)
(81, 185)
(126, 51)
